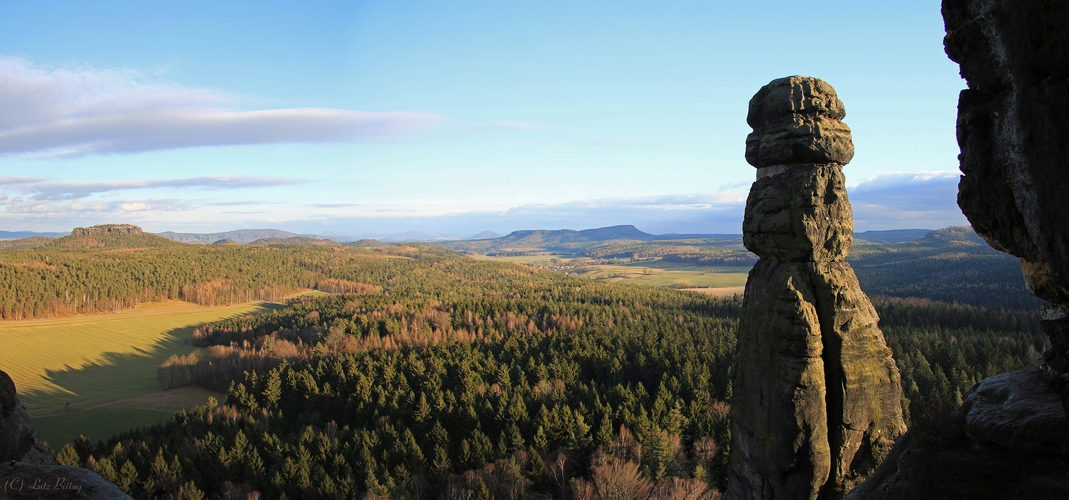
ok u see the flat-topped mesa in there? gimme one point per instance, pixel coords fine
(817, 397)
(107, 229)
(804, 215)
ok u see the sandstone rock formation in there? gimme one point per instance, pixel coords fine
(107, 229)
(17, 439)
(40, 482)
(817, 397)
(25, 464)
(1009, 438)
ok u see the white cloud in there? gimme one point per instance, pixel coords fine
(49, 190)
(70, 112)
(682, 213)
(893, 200)
(81, 209)
(901, 200)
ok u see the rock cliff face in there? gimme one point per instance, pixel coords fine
(51, 482)
(817, 396)
(17, 439)
(1010, 438)
(107, 229)
(25, 464)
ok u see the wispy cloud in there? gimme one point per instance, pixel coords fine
(899, 200)
(81, 209)
(20, 180)
(48, 190)
(71, 112)
(680, 213)
(894, 200)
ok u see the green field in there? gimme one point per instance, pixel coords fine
(104, 366)
(652, 273)
(55, 430)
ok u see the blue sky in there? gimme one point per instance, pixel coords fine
(372, 118)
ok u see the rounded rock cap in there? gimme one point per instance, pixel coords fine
(797, 120)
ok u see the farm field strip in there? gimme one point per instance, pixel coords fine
(652, 273)
(113, 417)
(90, 360)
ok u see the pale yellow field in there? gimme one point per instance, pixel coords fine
(90, 361)
(719, 292)
(720, 281)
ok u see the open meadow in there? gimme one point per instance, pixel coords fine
(715, 280)
(96, 375)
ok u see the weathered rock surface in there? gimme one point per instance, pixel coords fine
(17, 439)
(1012, 124)
(1008, 440)
(816, 403)
(957, 469)
(107, 229)
(22, 480)
(25, 464)
(822, 392)
(1017, 410)
(797, 120)
(799, 215)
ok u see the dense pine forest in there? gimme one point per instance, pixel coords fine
(106, 273)
(459, 375)
(426, 374)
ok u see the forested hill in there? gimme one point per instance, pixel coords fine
(947, 265)
(109, 268)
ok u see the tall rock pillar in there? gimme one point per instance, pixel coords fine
(816, 396)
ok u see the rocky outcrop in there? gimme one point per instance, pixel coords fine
(1017, 411)
(816, 403)
(107, 229)
(1013, 130)
(1012, 124)
(17, 439)
(25, 464)
(1010, 438)
(41, 482)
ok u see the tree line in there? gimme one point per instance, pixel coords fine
(93, 274)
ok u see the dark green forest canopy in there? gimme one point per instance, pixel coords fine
(480, 363)
(443, 374)
(457, 373)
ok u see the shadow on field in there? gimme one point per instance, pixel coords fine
(114, 376)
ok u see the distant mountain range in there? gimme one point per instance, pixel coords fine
(485, 235)
(892, 236)
(15, 235)
(241, 236)
(526, 238)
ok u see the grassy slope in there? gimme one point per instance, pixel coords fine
(94, 362)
